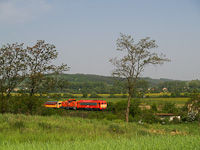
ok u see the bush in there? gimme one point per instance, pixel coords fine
(111, 107)
(26, 105)
(154, 107)
(85, 95)
(173, 94)
(124, 96)
(111, 117)
(186, 95)
(165, 121)
(112, 96)
(134, 108)
(148, 116)
(169, 108)
(94, 95)
(165, 96)
(184, 116)
(119, 106)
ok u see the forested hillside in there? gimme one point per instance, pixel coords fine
(88, 83)
(86, 78)
(107, 79)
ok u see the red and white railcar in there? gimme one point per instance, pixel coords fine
(92, 104)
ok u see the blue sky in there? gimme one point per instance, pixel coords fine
(85, 31)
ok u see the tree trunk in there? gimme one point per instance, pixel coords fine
(199, 120)
(128, 106)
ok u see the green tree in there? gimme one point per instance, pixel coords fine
(12, 70)
(48, 84)
(169, 108)
(193, 104)
(154, 107)
(62, 83)
(137, 57)
(39, 62)
(173, 86)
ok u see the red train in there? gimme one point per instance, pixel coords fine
(81, 104)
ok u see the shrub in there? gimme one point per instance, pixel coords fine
(111, 107)
(26, 104)
(184, 116)
(85, 95)
(112, 96)
(121, 105)
(134, 108)
(169, 108)
(186, 95)
(148, 116)
(165, 96)
(154, 107)
(94, 95)
(165, 121)
(111, 117)
(124, 96)
(173, 94)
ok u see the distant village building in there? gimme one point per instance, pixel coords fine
(165, 89)
(16, 90)
(171, 116)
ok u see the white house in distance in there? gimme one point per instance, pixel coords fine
(170, 115)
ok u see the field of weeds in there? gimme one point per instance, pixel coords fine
(18, 132)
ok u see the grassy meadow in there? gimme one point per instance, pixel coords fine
(21, 132)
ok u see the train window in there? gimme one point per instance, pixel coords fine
(93, 104)
(83, 103)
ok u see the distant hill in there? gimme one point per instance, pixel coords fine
(107, 79)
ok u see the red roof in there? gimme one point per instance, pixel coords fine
(166, 114)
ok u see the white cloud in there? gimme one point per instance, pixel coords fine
(20, 11)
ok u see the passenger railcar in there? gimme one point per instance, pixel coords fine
(92, 104)
(53, 104)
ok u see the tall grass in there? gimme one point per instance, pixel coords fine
(136, 143)
(18, 132)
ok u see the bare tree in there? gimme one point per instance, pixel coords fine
(137, 57)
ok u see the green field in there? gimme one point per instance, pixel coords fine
(21, 132)
(149, 100)
(162, 100)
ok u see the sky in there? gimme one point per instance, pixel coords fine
(85, 32)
